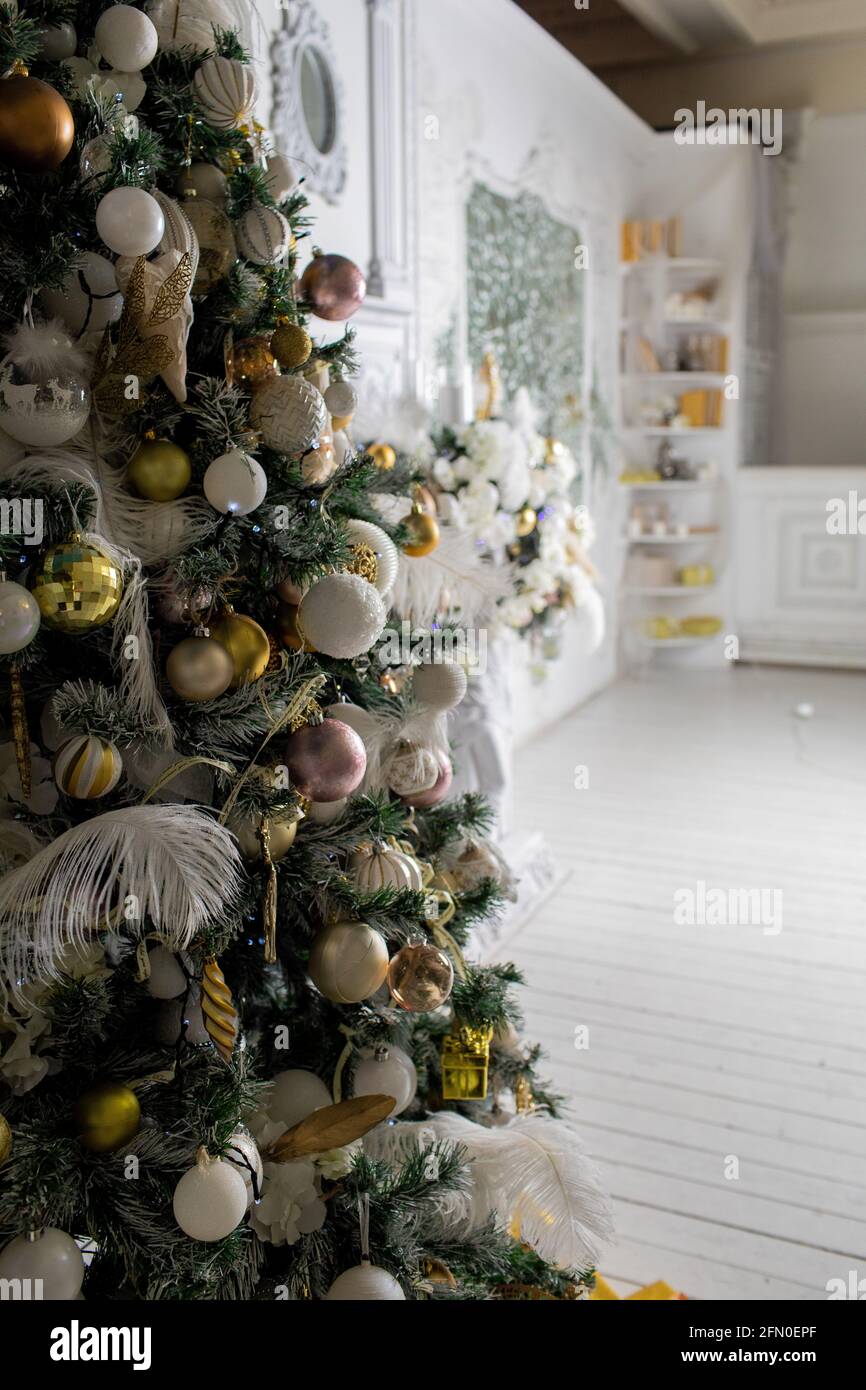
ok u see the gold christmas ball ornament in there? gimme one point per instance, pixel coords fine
(106, 1117)
(247, 831)
(348, 962)
(383, 456)
(526, 523)
(423, 532)
(199, 668)
(37, 129)
(246, 643)
(77, 586)
(5, 1139)
(291, 345)
(87, 767)
(251, 362)
(159, 470)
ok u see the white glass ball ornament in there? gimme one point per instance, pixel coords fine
(19, 623)
(440, 686)
(263, 235)
(290, 413)
(226, 92)
(210, 1200)
(387, 556)
(57, 41)
(295, 1095)
(280, 177)
(341, 399)
(342, 616)
(235, 483)
(89, 299)
(52, 1257)
(243, 1152)
(44, 391)
(366, 1283)
(203, 181)
(126, 38)
(130, 221)
(387, 1071)
(166, 979)
(326, 812)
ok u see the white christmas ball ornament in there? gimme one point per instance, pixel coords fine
(387, 557)
(203, 181)
(290, 413)
(126, 38)
(52, 1257)
(243, 1152)
(210, 1200)
(58, 41)
(280, 177)
(366, 1283)
(387, 1071)
(341, 399)
(226, 92)
(235, 484)
(591, 622)
(19, 617)
(130, 221)
(342, 616)
(383, 867)
(295, 1095)
(166, 979)
(440, 686)
(263, 235)
(88, 299)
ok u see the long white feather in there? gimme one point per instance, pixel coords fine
(453, 579)
(533, 1170)
(177, 862)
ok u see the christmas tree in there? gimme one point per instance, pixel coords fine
(236, 917)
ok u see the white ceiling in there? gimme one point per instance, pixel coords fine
(693, 25)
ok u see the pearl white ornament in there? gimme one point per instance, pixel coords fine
(341, 399)
(295, 1095)
(126, 38)
(387, 557)
(53, 1257)
(440, 686)
(326, 812)
(290, 413)
(190, 23)
(243, 1152)
(361, 720)
(210, 1200)
(280, 178)
(384, 867)
(19, 623)
(342, 616)
(204, 181)
(166, 979)
(130, 221)
(366, 1283)
(89, 298)
(387, 1071)
(263, 235)
(58, 41)
(235, 484)
(226, 92)
(411, 769)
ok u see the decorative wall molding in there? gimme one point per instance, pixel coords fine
(392, 117)
(305, 31)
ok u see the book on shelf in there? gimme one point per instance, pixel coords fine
(702, 408)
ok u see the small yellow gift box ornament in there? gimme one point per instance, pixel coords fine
(465, 1063)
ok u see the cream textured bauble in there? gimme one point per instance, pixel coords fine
(290, 413)
(52, 1257)
(210, 1200)
(130, 221)
(411, 769)
(341, 399)
(342, 616)
(226, 92)
(179, 234)
(20, 617)
(384, 549)
(190, 23)
(440, 686)
(380, 866)
(235, 484)
(87, 767)
(387, 1070)
(366, 1283)
(295, 1095)
(348, 962)
(203, 181)
(126, 38)
(263, 235)
(280, 177)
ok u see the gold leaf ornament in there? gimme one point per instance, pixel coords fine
(153, 332)
(332, 1127)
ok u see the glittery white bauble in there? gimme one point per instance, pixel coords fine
(235, 484)
(290, 413)
(226, 92)
(89, 298)
(53, 1258)
(166, 979)
(126, 38)
(263, 235)
(243, 1152)
(440, 686)
(295, 1095)
(281, 177)
(387, 1071)
(387, 558)
(366, 1283)
(210, 1200)
(342, 615)
(20, 617)
(129, 221)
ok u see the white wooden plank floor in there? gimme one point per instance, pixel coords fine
(708, 1043)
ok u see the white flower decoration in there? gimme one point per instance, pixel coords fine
(43, 796)
(291, 1204)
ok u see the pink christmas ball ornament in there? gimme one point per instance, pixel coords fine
(326, 761)
(423, 801)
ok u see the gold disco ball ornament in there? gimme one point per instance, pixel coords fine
(77, 586)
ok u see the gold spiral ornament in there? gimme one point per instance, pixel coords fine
(220, 1015)
(87, 767)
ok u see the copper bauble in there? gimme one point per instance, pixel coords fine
(289, 592)
(348, 962)
(199, 669)
(78, 586)
(291, 345)
(383, 455)
(36, 125)
(250, 362)
(288, 631)
(159, 470)
(246, 643)
(420, 977)
(333, 286)
(106, 1117)
(423, 531)
(326, 761)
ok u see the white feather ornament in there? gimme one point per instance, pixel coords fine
(179, 864)
(533, 1170)
(452, 579)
